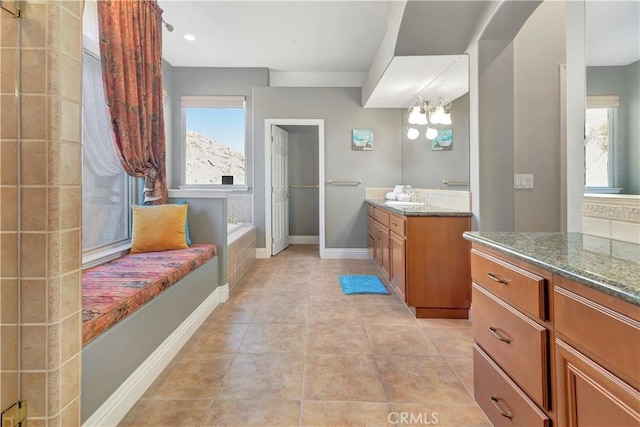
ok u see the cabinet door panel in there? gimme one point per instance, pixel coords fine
(386, 252)
(589, 395)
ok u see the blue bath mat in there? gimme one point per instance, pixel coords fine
(362, 284)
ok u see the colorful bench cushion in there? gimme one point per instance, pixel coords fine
(114, 290)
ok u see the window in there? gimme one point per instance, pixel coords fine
(106, 188)
(598, 148)
(214, 140)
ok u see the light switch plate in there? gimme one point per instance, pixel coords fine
(523, 181)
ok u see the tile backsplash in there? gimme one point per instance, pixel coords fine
(449, 199)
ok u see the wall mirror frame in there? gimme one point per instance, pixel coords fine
(612, 105)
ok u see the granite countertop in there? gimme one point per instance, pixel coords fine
(422, 210)
(610, 266)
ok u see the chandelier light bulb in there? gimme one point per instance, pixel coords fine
(414, 115)
(412, 133)
(445, 118)
(432, 133)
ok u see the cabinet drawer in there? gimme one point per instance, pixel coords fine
(369, 210)
(500, 398)
(518, 287)
(370, 227)
(397, 224)
(381, 216)
(518, 344)
(609, 337)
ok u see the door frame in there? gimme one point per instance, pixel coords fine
(267, 177)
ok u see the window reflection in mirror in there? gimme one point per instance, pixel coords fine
(612, 124)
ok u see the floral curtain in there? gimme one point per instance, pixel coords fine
(131, 51)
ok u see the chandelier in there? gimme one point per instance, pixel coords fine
(424, 113)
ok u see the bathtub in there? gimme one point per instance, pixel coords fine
(233, 227)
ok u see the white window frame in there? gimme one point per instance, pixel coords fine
(212, 101)
(611, 103)
(118, 248)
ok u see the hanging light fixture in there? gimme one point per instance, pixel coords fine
(422, 112)
(412, 133)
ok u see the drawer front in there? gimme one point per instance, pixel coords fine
(369, 210)
(381, 216)
(616, 341)
(500, 398)
(397, 224)
(518, 344)
(518, 287)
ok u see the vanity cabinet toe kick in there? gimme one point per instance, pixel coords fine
(425, 259)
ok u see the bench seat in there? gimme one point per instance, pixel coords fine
(114, 290)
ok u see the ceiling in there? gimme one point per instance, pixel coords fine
(303, 36)
(612, 32)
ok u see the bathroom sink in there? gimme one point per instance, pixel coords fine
(402, 203)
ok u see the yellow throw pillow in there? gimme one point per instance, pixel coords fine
(158, 228)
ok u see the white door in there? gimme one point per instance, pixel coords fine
(279, 190)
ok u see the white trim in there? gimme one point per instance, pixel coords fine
(346, 253)
(267, 177)
(304, 240)
(102, 255)
(261, 253)
(204, 193)
(212, 101)
(113, 410)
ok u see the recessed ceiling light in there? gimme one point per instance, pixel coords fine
(189, 37)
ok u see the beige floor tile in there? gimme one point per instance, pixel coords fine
(386, 314)
(323, 314)
(259, 376)
(345, 414)
(274, 338)
(421, 380)
(452, 342)
(439, 415)
(169, 413)
(463, 368)
(231, 312)
(226, 413)
(337, 338)
(400, 340)
(190, 376)
(342, 377)
(215, 337)
(276, 311)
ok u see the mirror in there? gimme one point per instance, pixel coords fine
(442, 162)
(612, 124)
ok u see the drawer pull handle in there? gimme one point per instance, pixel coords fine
(493, 277)
(495, 333)
(506, 414)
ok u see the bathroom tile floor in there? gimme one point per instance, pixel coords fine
(288, 349)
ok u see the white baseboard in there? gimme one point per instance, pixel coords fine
(346, 253)
(113, 410)
(304, 240)
(261, 253)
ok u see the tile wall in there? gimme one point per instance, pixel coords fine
(241, 207)
(40, 197)
(615, 218)
(241, 254)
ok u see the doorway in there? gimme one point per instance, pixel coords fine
(289, 191)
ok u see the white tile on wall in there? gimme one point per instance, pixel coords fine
(625, 231)
(596, 227)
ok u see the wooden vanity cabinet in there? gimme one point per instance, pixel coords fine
(426, 260)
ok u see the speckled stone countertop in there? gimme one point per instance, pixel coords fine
(610, 266)
(422, 210)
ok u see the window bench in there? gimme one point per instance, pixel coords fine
(130, 306)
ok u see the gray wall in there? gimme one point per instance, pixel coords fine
(422, 167)
(624, 82)
(495, 81)
(211, 81)
(539, 49)
(303, 170)
(340, 108)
